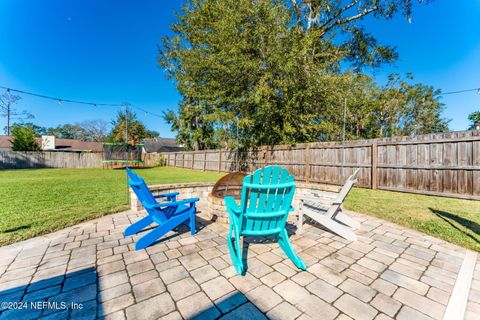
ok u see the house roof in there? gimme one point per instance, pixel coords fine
(5, 142)
(161, 145)
(71, 144)
(60, 144)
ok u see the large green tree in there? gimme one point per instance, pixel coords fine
(127, 121)
(270, 71)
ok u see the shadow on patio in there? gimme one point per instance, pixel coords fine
(73, 295)
(236, 301)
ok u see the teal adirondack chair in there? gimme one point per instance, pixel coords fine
(264, 206)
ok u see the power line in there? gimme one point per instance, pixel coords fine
(460, 91)
(93, 104)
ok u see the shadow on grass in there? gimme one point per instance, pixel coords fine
(72, 295)
(28, 226)
(470, 225)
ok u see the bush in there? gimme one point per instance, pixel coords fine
(24, 140)
(161, 161)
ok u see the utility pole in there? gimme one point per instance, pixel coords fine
(8, 117)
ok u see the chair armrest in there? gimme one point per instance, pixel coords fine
(231, 204)
(166, 195)
(323, 200)
(174, 203)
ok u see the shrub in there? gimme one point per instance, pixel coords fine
(24, 140)
(161, 161)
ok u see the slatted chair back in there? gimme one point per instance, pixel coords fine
(266, 201)
(140, 188)
(346, 188)
(146, 198)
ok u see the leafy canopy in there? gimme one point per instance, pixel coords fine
(270, 71)
(127, 121)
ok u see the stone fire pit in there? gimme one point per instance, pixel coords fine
(229, 185)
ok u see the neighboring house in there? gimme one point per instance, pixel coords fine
(50, 143)
(161, 145)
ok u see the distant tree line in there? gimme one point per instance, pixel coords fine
(278, 71)
(97, 130)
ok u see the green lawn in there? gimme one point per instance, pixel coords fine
(454, 220)
(38, 201)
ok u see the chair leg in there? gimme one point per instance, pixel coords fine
(192, 219)
(159, 231)
(138, 226)
(300, 222)
(235, 251)
(286, 246)
(347, 220)
(333, 225)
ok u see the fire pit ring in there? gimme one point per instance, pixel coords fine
(228, 185)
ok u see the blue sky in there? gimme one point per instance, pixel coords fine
(105, 51)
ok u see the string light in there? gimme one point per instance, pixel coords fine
(93, 104)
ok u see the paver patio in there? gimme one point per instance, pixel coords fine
(390, 272)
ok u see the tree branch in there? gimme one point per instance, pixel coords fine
(297, 10)
(338, 13)
(349, 19)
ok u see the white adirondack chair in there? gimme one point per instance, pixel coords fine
(330, 216)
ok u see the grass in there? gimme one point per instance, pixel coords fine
(454, 220)
(38, 201)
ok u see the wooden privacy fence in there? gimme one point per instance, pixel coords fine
(45, 159)
(444, 164)
(58, 159)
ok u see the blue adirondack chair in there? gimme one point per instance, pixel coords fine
(264, 206)
(168, 215)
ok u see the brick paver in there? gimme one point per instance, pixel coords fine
(389, 273)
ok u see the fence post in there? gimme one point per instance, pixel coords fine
(204, 160)
(265, 156)
(183, 160)
(193, 160)
(374, 156)
(308, 157)
(219, 160)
